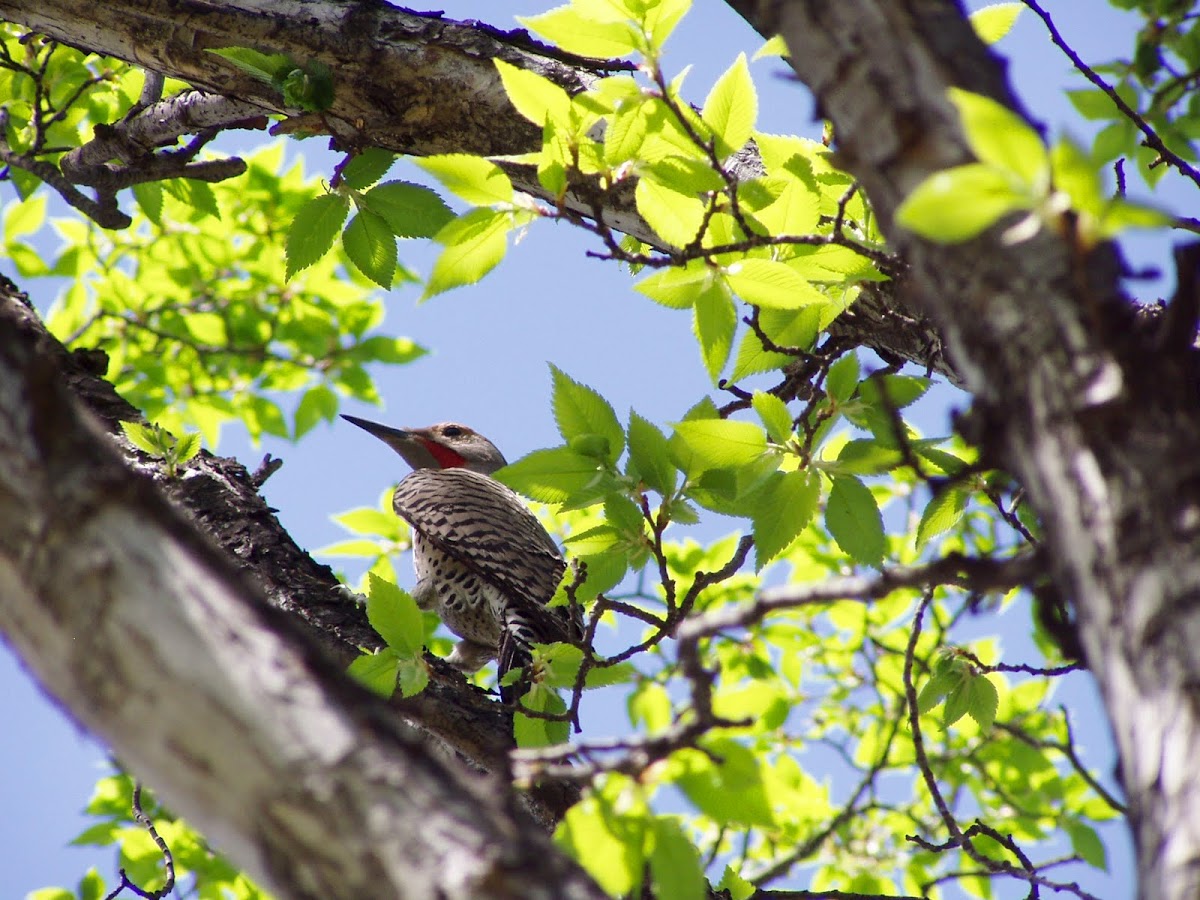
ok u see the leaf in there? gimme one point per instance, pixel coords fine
(650, 706)
(787, 502)
(1001, 138)
(475, 244)
(721, 443)
(1086, 844)
(413, 675)
(650, 455)
(531, 731)
(714, 322)
(993, 22)
(313, 230)
(371, 246)
(935, 690)
(319, 403)
(765, 282)
(186, 447)
(728, 786)
(732, 107)
(774, 47)
(147, 438)
(366, 168)
(566, 27)
(377, 672)
(942, 513)
(557, 475)
(675, 869)
(737, 886)
(410, 210)
(473, 178)
(675, 217)
(393, 613)
(957, 204)
(983, 700)
(579, 411)
(270, 68)
(774, 415)
(842, 378)
(677, 288)
(536, 98)
(609, 846)
(853, 518)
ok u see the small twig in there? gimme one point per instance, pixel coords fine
(268, 467)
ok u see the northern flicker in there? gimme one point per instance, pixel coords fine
(484, 562)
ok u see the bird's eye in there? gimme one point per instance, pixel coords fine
(452, 431)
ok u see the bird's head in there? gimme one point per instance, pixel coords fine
(446, 445)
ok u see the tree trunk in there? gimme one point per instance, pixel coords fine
(1098, 419)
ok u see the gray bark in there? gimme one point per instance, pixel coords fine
(1095, 417)
(159, 643)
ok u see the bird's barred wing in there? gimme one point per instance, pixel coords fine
(485, 526)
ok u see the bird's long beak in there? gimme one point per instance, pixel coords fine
(407, 443)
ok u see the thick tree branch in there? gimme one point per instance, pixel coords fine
(160, 645)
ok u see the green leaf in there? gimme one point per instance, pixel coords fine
(531, 731)
(148, 438)
(774, 47)
(567, 27)
(721, 443)
(935, 689)
(957, 204)
(621, 673)
(24, 218)
(393, 613)
(765, 282)
(186, 447)
(319, 403)
(678, 288)
(728, 786)
(983, 700)
(1086, 844)
(475, 244)
(675, 869)
(993, 22)
(942, 513)
(270, 68)
(714, 322)
(786, 504)
(650, 455)
(411, 210)
(737, 886)
(607, 844)
(674, 216)
(413, 675)
(313, 230)
(732, 107)
(842, 378)
(557, 475)
(853, 518)
(1092, 103)
(474, 179)
(366, 520)
(579, 411)
(371, 246)
(366, 168)
(1001, 138)
(309, 88)
(774, 415)
(377, 672)
(536, 98)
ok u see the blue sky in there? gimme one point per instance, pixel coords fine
(488, 367)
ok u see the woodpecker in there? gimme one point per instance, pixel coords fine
(484, 562)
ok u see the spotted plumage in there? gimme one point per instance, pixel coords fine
(484, 562)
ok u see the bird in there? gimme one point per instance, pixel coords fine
(484, 562)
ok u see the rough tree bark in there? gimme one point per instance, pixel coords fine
(1095, 417)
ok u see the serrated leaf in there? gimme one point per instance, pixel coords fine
(958, 701)
(393, 613)
(737, 886)
(366, 520)
(579, 410)
(607, 845)
(475, 244)
(842, 378)
(621, 673)
(367, 167)
(993, 22)
(983, 701)
(1001, 138)
(853, 518)
(728, 786)
(270, 68)
(319, 403)
(313, 230)
(147, 438)
(732, 107)
(536, 98)
(413, 675)
(377, 672)
(957, 204)
(675, 217)
(650, 455)
(410, 210)
(556, 475)
(714, 321)
(785, 504)
(941, 513)
(575, 33)
(675, 869)
(774, 415)
(934, 690)
(186, 447)
(473, 178)
(768, 283)
(722, 443)
(371, 246)
(677, 288)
